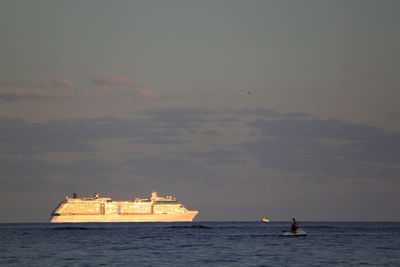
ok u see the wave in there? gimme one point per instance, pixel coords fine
(194, 226)
(74, 228)
(320, 227)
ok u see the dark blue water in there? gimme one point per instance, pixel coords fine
(199, 244)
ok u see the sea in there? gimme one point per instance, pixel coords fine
(200, 244)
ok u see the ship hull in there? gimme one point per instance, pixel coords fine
(185, 217)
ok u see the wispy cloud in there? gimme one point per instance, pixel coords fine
(15, 94)
(62, 82)
(108, 87)
(118, 87)
(22, 83)
(116, 80)
(28, 89)
(30, 83)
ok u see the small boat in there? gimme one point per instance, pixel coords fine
(299, 232)
(265, 219)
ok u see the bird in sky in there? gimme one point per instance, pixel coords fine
(243, 92)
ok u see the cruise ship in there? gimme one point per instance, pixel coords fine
(100, 209)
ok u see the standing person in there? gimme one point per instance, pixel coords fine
(295, 225)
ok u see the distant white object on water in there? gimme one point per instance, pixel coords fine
(242, 92)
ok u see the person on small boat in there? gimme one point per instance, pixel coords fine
(295, 226)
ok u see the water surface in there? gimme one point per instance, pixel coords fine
(200, 244)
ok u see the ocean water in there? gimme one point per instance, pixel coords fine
(200, 244)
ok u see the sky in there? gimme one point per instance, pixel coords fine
(239, 109)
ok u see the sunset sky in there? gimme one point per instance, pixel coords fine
(239, 109)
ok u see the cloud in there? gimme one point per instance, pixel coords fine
(15, 94)
(209, 132)
(119, 88)
(29, 83)
(315, 148)
(315, 128)
(145, 94)
(120, 94)
(107, 88)
(216, 156)
(325, 148)
(182, 118)
(21, 83)
(105, 80)
(165, 169)
(255, 111)
(15, 90)
(268, 113)
(394, 115)
(62, 82)
(158, 149)
(29, 174)
(155, 140)
(73, 135)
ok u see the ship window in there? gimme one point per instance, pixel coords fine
(166, 202)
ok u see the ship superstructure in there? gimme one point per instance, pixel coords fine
(99, 209)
